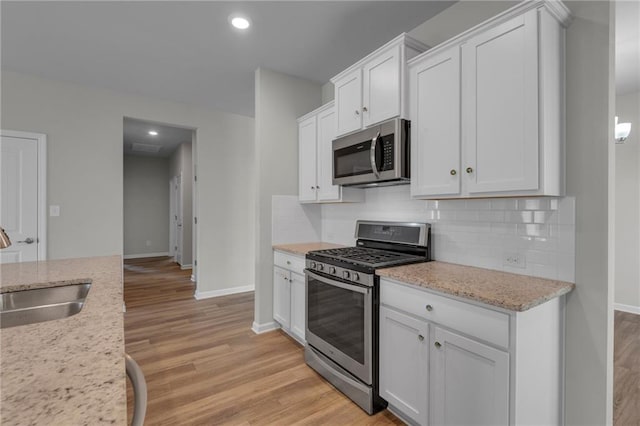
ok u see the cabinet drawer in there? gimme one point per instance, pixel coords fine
(481, 323)
(289, 261)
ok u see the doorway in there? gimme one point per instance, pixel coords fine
(158, 191)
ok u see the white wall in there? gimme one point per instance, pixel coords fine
(280, 100)
(473, 232)
(627, 207)
(181, 165)
(146, 205)
(85, 171)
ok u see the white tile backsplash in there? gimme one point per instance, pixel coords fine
(292, 222)
(473, 232)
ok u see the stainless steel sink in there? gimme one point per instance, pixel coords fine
(42, 304)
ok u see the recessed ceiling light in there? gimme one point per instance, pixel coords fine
(153, 133)
(240, 22)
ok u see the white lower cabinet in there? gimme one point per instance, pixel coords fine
(289, 306)
(445, 361)
(469, 382)
(404, 363)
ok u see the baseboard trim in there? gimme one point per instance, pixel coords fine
(185, 267)
(224, 292)
(264, 328)
(627, 308)
(193, 278)
(142, 255)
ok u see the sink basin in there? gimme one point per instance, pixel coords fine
(42, 304)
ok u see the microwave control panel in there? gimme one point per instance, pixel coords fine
(387, 153)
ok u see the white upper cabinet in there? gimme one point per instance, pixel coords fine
(307, 130)
(316, 132)
(501, 107)
(348, 95)
(373, 89)
(435, 129)
(498, 91)
(381, 87)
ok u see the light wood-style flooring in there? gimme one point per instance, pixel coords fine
(626, 380)
(204, 365)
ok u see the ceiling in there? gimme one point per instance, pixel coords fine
(168, 139)
(187, 51)
(627, 46)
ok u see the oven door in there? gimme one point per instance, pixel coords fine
(339, 323)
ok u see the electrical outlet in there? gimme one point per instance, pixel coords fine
(514, 260)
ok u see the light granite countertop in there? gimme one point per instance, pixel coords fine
(303, 248)
(69, 371)
(508, 291)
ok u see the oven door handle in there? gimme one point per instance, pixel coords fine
(374, 145)
(328, 281)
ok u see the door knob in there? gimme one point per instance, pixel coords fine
(28, 240)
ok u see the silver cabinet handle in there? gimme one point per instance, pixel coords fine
(469, 169)
(139, 390)
(437, 345)
(429, 308)
(29, 240)
(317, 187)
(357, 112)
(420, 337)
(288, 262)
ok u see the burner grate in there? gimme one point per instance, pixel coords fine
(367, 256)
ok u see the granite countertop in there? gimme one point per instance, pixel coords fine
(508, 291)
(303, 248)
(69, 371)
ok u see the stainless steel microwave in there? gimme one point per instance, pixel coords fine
(375, 156)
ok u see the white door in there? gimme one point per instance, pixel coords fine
(404, 363)
(435, 125)
(470, 382)
(173, 217)
(381, 88)
(500, 110)
(179, 239)
(348, 103)
(307, 156)
(19, 199)
(281, 297)
(327, 191)
(298, 308)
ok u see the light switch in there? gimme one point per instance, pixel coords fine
(54, 211)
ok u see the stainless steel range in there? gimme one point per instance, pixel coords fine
(342, 298)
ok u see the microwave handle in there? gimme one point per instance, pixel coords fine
(374, 144)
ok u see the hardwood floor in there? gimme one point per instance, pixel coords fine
(204, 365)
(626, 381)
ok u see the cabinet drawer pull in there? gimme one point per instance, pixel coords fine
(420, 337)
(453, 172)
(429, 308)
(437, 345)
(357, 112)
(364, 109)
(469, 170)
(288, 262)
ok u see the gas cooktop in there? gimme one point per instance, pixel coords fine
(371, 257)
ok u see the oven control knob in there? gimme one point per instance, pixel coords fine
(332, 270)
(312, 265)
(320, 267)
(346, 275)
(355, 276)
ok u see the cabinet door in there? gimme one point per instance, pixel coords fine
(307, 160)
(500, 107)
(435, 124)
(381, 88)
(470, 382)
(281, 297)
(404, 363)
(348, 103)
(327, 191)
(298, 307)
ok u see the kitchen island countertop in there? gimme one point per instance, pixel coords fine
(71, 370)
